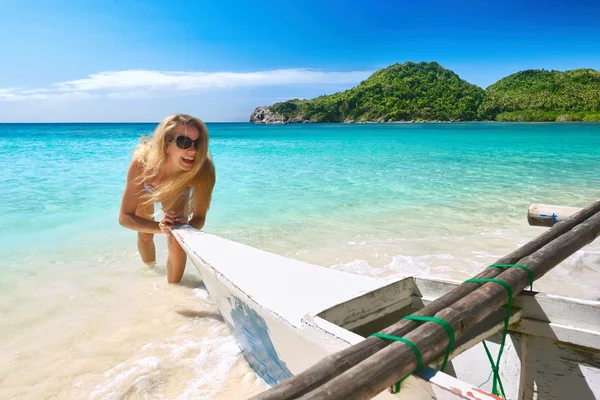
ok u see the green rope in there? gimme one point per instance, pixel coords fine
(496, 367)
(445, 325)
(411, 345)
(521, 266)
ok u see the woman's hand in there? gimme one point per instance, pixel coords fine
(169, 220)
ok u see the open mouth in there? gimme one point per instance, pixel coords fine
(188, 161)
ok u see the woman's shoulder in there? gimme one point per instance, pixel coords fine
(136, 167)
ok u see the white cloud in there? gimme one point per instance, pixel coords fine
(42, 94)
(146, 83)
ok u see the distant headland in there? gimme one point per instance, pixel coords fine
(426, 91)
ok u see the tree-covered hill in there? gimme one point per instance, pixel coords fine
(427, 91)
(400, 92)
(541, 95)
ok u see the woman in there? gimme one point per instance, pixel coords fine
(173, 168)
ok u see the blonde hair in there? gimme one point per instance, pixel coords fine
(151, 154)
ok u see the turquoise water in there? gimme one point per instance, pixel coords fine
(377, 199)
(60, 178)
(285, 187)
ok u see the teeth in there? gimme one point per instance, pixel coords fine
(189, 159)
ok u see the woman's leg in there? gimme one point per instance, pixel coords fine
(177, 257)
(145, 241)
(175, 260)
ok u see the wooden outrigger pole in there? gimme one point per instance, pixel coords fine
(365, 369)
(549, 215)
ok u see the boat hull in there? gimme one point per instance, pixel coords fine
(287, 315)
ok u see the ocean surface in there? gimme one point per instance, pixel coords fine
(82, 317)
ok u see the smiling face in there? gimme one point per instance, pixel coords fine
(179, 158)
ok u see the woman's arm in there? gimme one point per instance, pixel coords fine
(129, 203)
(203, 194)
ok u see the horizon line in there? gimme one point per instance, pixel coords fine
(112, 122)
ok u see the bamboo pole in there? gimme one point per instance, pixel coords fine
(387, 366)
(548, 215)
(335, 364)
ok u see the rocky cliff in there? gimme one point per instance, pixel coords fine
(265, 115)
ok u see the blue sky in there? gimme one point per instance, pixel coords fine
(218, 60)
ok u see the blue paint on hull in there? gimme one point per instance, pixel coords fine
(252, 335)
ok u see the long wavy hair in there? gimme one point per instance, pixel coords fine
(151, 154)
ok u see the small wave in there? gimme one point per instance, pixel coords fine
(182, 367)
(430, 265)
(575, 276)
(201, 293)
(140, 377)
(359, 267)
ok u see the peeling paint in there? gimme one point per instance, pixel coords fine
(456, 390)
(492, 396)
(252, 334)
(470, 394)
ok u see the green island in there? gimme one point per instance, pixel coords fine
(426, 91)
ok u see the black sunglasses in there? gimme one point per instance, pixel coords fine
(184, 142)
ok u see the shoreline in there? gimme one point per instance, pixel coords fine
(420, 122)
(54, 123)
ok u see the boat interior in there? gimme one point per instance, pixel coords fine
(381, 308)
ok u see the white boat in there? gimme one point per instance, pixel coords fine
(287, 315)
